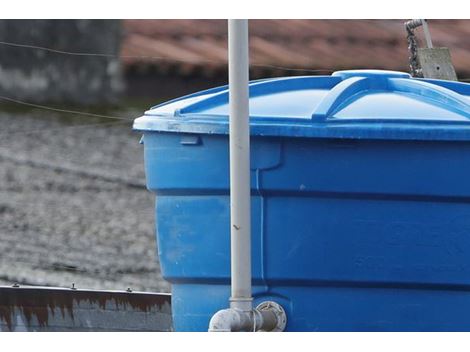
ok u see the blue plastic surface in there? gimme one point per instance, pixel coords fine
(349, 104)
(360, 201)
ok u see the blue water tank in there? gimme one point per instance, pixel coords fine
(360, 201)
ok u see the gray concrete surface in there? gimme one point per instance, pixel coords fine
(67, 212)
(38, 75)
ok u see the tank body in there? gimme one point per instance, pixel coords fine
(360, 214)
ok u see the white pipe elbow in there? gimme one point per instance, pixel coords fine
(228, 320)
(268, 316)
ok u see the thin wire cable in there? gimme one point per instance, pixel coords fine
(82, 113)
(44, 107)
(163, 58)
(74, 53)
(56, 50)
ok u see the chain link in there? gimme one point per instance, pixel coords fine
(415, 67)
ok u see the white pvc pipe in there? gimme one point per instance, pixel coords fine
(268, 316)
(240, 197)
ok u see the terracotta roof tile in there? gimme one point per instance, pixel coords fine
(312, 44)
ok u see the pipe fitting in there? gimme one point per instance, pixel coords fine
(268, 316)
(274, 316)
(231, 319)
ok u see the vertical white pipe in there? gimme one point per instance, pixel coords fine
(240, 198)
(268, 316)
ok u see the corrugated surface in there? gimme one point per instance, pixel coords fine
(199, 46)
(71, 210)
(57, 309)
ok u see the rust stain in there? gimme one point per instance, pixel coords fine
(40, 302)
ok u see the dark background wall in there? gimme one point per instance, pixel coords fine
(45, 76)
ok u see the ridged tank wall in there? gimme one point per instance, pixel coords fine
(360, 201)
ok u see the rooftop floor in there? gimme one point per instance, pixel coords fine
(73, 206)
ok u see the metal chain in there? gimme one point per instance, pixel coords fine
(415, 68)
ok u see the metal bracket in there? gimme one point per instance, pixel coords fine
(428, 62)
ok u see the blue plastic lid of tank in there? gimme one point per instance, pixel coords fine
(370, 104)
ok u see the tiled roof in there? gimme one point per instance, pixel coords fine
(200, 46)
